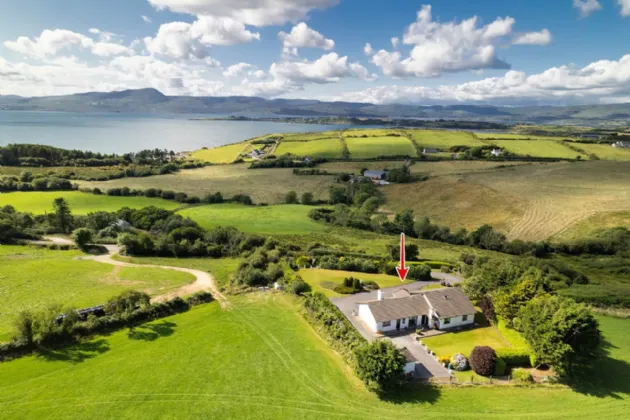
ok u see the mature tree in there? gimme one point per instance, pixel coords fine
(307, 199)
(339, 196)
(371, 205)
(400, 175)
(24, 327)
(507, 302)
(291, 198)
(82, 237)
(404, 220)
(379, 364)
(63, 215)
(127, 302)
(483, 360)
(411, 251)
(26, 176)
(419, 272)
(561, 333)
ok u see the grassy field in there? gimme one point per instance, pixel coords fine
(322, 280)
(443, 139)
(223, 154)
(83, 171)
(510, 136)
(32, 278)
(282, 219)
(433, 169)
(538, 148)
(310, 136)
(591, 225)
(260, 360)
(263, 185)
(39, 202)
(376, 132)
(371, 147)
(605, 151)
(327, 148)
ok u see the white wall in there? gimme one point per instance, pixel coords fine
(366, 316)
(456, 321)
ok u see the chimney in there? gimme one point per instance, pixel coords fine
(379, 294)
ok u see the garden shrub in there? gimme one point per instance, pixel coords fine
(500, 367)
(345, 290)
(370, 285)
(444, 359)
(483, 360)
(522, 376)
(514, 357)
(379, 364)
(459, 362)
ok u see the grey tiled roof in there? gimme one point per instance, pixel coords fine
(390, 309)
(449, 302)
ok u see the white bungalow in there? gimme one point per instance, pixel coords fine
(440, 309)
(621, 144)
(496, 152)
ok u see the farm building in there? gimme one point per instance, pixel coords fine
(375, 175)
(621, 144)
(496, 152)
(430, 151)
(257, 154)
(589, 136)
(440, 309)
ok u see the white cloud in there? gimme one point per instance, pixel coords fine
(448, 47)
(94, 31)
(625, 7)
(534, 38)
(146, 19)
(221, 31)
(301, 36)
(367, 49)
(236, 69)
(586, 7)
(250, 12)
(395, 42)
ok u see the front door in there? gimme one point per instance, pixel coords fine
(412, 322)
(397, 324)
(425, 320)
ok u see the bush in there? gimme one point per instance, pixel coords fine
(370, 285)
(291, 198)
(345, 290)
(459, 362)
(483, 360)
(81, 237)
(379, 364)
(444, 360)
(487, 308)
(298, 286)
(199, 298)
(500, 367)
(419, 272)
(522, 376)
(514, 357)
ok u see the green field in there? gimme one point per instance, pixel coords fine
(589, 226)
(64, 171)
(443, 139)
(371, 147)
(80, 203)
(260, 360)
(288, 137)
(282, 219)
(605, 151)
(262, 185)
(319, 279)
(327, 148)
(375, 132)
(538, 148)
(223, 154)
(509, 136)
(32, 278)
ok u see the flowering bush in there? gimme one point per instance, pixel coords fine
(459, 362)
(483, 360)
(444, 359)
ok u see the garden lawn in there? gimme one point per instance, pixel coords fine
(324, 280)
(371, 147)
(279, 219)
(261, 360)
(222, 154)
(538, 148)
(34, 278)
(327, 148)
(39, 202)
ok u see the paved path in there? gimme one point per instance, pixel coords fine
(427, 367)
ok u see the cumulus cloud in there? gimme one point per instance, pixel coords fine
(367, 49)
(146, 19)
(301, 36)
(250, 12)
(625, 7)
(586, 7)
(221, 31)
(236, 69)
(450, 47)
(534, 38)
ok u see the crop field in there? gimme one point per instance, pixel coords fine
(282, 219)
(263, 185)
(605, 151)
(371, 147)
(538, 148)
(443, 139)
(510, 136)
(377, 132)
(223, 154)
(327, 148)
(33, 278)
(39, 202)
(529, 202)
(324, 280)
(289, 137)
(261, 360)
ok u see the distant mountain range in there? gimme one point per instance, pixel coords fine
(153, 101)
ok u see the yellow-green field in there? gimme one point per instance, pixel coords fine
(443, 139)
(538, 148)
(589, 226)
(510, 136)
(324, 280)
(371, 147)
(431, 168)
(263, 185)
(327, 148)
(605, 151)
(310, 136)
(370, 132)
(39, 202)
(82, 171)
(223, 154)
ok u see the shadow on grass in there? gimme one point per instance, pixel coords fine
(413, 393)
(152, 332)
(77, 353)
(608, 377)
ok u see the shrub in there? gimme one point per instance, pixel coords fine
(483, 360)
(419, 272)
(379, 364)
(487, 308)
(370, 285)
(199, 298)
(522, 376)
(444, 359)
(345, 290)
(298, 286)
(500, 367)
(459, 362)
(291, 198)
(445, 269)
(514, 357)
(81, 237)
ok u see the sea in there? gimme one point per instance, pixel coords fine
(124, 133)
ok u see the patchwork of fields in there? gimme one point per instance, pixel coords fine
(443, 139)
(538, 148)
(325, 148)
(371, 147)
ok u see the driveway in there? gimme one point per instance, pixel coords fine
(426, 366)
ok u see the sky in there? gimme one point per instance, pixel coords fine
(517, 52)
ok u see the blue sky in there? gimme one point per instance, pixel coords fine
(515, 52)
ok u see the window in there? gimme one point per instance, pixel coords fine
(447, 321)
(387, 324)
(464, 317)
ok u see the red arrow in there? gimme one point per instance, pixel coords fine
(402, 270)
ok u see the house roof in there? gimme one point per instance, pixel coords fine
(408, 356)
(401, 293)
(405, 307)
(372, 173)
(449, 302)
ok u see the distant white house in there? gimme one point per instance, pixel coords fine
(430, 151)
(375, 175)
(496, 152)
(308, 159)
(621, 144)
(257, 154)
(440, 309)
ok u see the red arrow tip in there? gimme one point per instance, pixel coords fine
(402, 273)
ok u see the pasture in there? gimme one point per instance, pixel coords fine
(431, 168)
(326, 148)
(443, 139)
(538, 148)
(281, 219)
(511, 136)
(325, 280)
(262, 185)
(375, 132)
(33, 278)
(605, 151)
(371, 147)
(65, 171)
(223, 154)
(261, 360)
(39, 202)
(321, 135)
